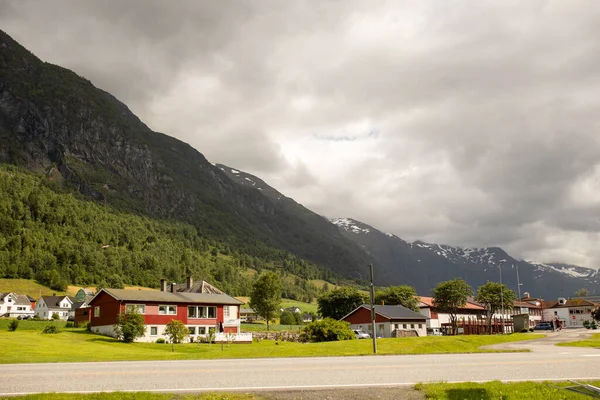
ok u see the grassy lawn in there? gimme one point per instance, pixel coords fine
(594, 341)
(141, 396)
(72, 345)
(30, 325)
(498, 390)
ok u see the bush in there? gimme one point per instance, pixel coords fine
(36, 318)
(50, 329)
(13, 325)
(524, 330)
(327, 330)
(160, 340)
(69, 324)
(298, 318)
(88, 326)
(593, 325)
(55, 316)
(530, 329)
(287, 318)
(587, 324)
(130, 325)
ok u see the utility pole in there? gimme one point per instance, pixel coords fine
(501, 294)
(518, 283)
(372, 293)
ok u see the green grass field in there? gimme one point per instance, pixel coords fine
(73, 345)
(594, 341)
(498, 390)
(30, 325)
(26, 286)
(141, 396)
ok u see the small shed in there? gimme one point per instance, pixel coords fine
(520, 322)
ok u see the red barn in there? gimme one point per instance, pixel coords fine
(198, 311)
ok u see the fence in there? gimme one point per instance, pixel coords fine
(245, 337)
(475, 326)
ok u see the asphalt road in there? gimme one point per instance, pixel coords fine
(546, 362)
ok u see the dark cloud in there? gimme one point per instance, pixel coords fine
(468, 123)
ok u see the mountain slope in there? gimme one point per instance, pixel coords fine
(57, 123)
(423, 265)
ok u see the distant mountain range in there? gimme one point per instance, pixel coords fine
(84, 141)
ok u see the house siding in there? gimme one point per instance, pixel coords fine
(361, 315)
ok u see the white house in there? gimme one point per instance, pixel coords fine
(15, 305)
(390, 321)
(46, 306)
(571, 313)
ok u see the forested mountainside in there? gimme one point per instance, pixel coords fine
(57, 124)
(423, 265)
(59, 238)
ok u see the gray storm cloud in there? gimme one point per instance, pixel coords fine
(485, 112)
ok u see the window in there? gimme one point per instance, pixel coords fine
(420, 326)
(192, 330)
(96, 311)
(153, 331)
(201, 330)
(202, 312)
(403, 326)
(141, 308)
(412, 326)
(226, 311)
(167, 310)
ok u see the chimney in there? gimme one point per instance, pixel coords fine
(173, 287)
(526, 295)
(189, 282)
(163, 285)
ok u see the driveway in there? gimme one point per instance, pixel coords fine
(548, 344)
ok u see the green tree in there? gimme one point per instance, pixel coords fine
(266, 296)
(327, 330)
(403, 295)
(493, 296)
(298, 318)
(582, 292)
(340, 302)
(176, 331)
(130, 325)
(287, 318)
(449, 297)
(596, 314)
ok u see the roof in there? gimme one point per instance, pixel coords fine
(392, 312)
(197, 287)
(247, 311)
(569, 303)
(428, 302)
(168, 297)
(527, 304)
(53, 301)
(20, 299)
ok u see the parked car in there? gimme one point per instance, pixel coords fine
(544, 326)
(434, 332)
(360, 334)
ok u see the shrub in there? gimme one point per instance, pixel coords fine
(36, 318)
(287, 318)
(55, 316)
(88, 326)
(13, 325)
(130, 325)
(327, 330)
(587, 324)
(50, 329)
(298, 318)
(530, 329)
(160, 340)
(593, 325)
(524, 330)
(69, 324)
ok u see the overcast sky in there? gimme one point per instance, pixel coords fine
(471, 123)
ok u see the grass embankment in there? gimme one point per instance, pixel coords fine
(140, 396)
(30, 325)
(499, 390)
(73, 345)
(262, 327)
(27, 286)
(594, 341)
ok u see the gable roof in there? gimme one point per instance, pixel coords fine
(54, 301)
(20, 299)
(391, 312)
(471, 305)
(168, 297)
(569, 303)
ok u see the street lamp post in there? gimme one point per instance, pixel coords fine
(501, 294)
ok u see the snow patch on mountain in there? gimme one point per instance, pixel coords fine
(570, 270)
(349, 225)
